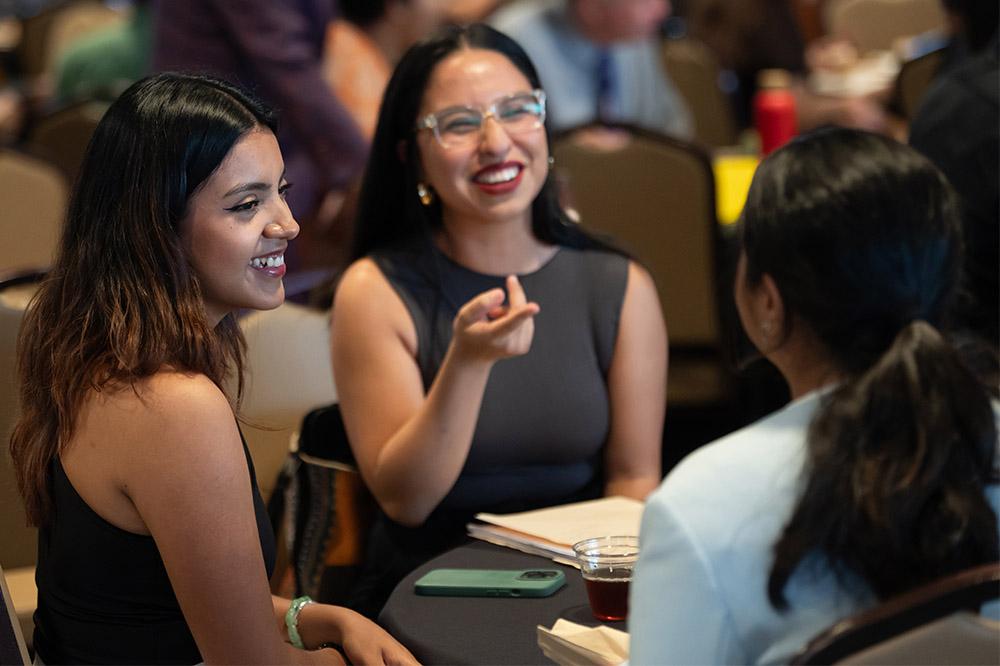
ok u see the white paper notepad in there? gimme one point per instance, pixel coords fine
(552, 532)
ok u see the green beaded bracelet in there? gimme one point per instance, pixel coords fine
(292, 620)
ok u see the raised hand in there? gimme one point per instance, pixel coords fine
(487, 330)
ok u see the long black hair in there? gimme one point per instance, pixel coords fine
(862, 237)
(390, 214)
(122, 300)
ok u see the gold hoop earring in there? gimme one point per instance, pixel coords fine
(425, 194)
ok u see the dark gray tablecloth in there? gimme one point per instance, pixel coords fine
(481, 630)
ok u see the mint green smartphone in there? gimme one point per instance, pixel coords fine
(490, 582)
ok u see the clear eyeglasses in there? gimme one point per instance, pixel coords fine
(461, 126)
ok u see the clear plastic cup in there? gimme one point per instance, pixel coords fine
(607, 564)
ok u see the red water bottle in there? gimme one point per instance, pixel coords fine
(774, 109)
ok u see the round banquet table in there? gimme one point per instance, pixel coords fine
(482, 630)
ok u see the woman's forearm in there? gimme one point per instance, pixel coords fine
(420, 463)
(636, 487)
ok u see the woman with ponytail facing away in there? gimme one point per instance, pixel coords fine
(880, 475)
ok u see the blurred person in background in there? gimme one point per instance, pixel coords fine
(100, 65)
(600, 60)
(958, 127)
(749, 36)
(972, 25)
(364, 44)
(275, 49)
(461, 12)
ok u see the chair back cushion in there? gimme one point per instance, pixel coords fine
(961, 638)
(873, 25)
(33, 200)
(18, 543)
(288, 373)
(915, 77)
(655, 197)
(931, 624)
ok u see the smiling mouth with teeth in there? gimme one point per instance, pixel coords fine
(268, 262)
(499, 176)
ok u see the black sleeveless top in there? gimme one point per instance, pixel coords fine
(103, 593)
(544, 417)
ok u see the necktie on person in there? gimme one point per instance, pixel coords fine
(606, 93)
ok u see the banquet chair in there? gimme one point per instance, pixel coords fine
(61, 137)
(31, 54)
(937, 623)
(33, 197)
(914, 79)
(655, 197)
(46, 34)
(13, 649)
(288, 374)
(873, 25)
(19, 543)
(75, 21)
(694, 69)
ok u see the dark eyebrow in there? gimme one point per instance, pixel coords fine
(243, 188)
(247, 187)
(460, 107)
(453, 109)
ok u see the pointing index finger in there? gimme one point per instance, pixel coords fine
(515, 293)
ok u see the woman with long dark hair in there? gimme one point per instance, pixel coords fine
(880, 475)
(460, 394)
(154, 545)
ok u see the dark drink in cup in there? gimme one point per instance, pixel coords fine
(606, 564)
(608, 597)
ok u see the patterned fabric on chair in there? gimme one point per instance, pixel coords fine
(329, 510)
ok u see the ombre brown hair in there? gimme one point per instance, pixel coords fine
(121, 301)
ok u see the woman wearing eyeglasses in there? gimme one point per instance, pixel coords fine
(489, 355)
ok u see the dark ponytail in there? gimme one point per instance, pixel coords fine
(861, 236)
(897, 464)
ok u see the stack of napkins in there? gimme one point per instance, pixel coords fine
(571, 644)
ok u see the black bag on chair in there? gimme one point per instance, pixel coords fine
(328, 510)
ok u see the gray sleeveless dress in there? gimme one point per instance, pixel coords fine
(544, 417)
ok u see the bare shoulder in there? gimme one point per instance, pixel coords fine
(642, 313)
(366, 303)
(361, 281)
(169, 432)
(171, 393)
(639, 279)
(167, 400)
(169, 414)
